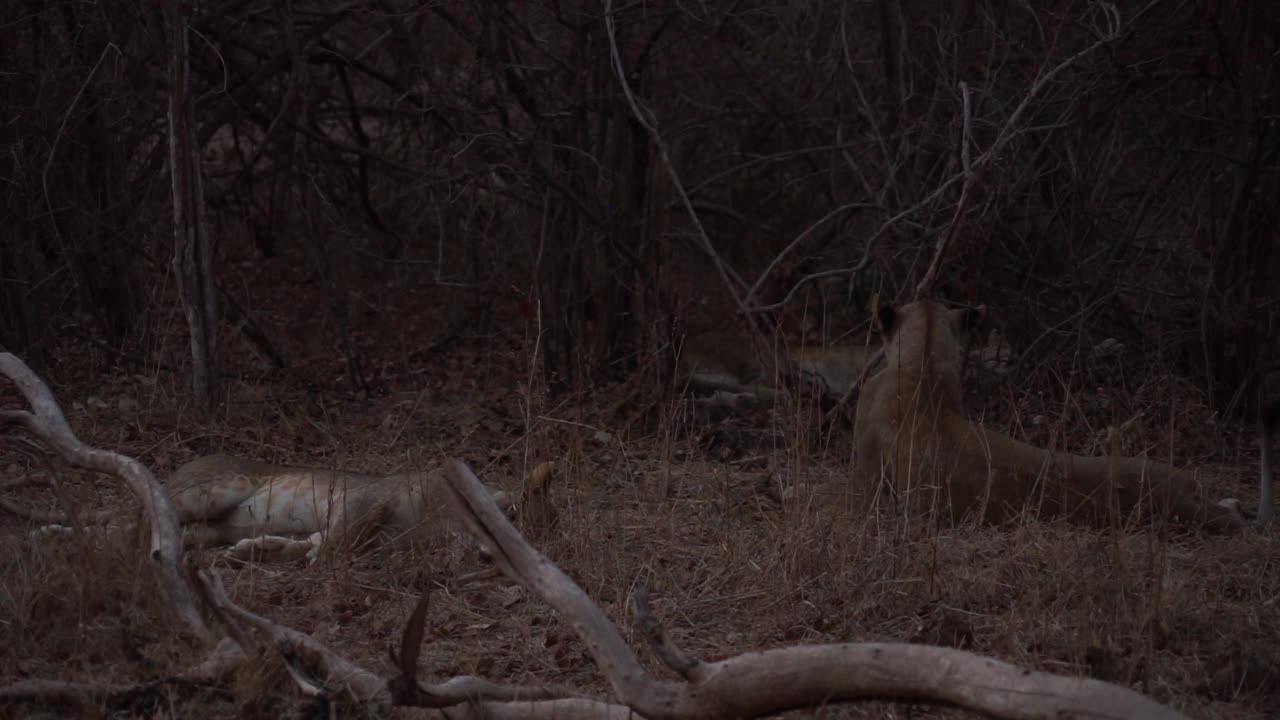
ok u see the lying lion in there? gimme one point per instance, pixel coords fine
(910, 426)
(288, 512)
(725, 360)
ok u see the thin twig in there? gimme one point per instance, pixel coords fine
(1008, 131)
(648, 122)
(49, 424)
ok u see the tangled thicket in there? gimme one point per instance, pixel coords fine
(1131, 194)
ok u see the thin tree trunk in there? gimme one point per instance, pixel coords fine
(193, 251)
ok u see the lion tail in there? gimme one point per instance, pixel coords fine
(1133, 482)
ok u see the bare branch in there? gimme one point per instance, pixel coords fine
(411, 641)
(773, 264)
(866, 249)
(50, 425)
(193, 248)
(113, 698)
(647, 121)
(563, 709)
(1010, 130)
(319, 670)
(55, 469)
(667, 651)
(866, 257)
(748, 685)
(336, 673)
(760, 683)
(120, 698)
(966, 136)
(527, 566)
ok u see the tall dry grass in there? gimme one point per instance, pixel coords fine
(746, 533)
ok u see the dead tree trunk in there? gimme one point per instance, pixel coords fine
(193, 249)
(47, 422)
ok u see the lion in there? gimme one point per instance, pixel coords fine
(287, 512)
(723, 375)
(725, 361)
(909, 425)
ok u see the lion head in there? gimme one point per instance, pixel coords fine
(925, 343)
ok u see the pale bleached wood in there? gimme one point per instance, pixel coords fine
(47, 422)
(748, 685)
(316, 668)
(761, 683)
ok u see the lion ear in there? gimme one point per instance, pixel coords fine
(886, 319)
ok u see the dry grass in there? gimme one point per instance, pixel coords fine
(759, 550)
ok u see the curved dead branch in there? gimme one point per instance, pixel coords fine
(132, 699)
(201, 678)
(47, 422)
(760, 683)
(26, 512)
(748, 685)
(70, 515)
(319, 670)
(303, 654)
(667, 651)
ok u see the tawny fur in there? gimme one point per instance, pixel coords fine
(261, 507)
(910, 426)
(725, 360)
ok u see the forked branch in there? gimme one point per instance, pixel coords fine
(749, 685)
(47, 422)
(318, 670)
(760, 683)
(974, 170)
(303, 654)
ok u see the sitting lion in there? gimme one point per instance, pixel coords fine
(288, 512)
(910, 425)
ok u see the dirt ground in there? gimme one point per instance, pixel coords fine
(743, 533)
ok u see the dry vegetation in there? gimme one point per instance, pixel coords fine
(480, 229)
(758, 550)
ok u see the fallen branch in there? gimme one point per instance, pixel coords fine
(316, 669)
(129, 698)
(132, 699)
(320, 671)
(760, 683)
(47, 422)
(663, 646)
(304, 655)
(69, 516)
(749, 685)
